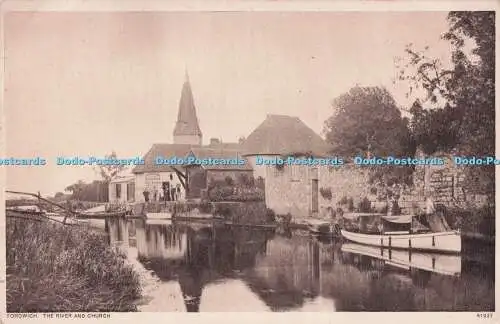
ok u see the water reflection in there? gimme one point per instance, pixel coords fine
(212, 267)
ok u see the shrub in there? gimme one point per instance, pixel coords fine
(326, 193)
(270, 215)
(235, 193)
(260, 183)
(56, 268)
(343, 200)
(246, 180)
(396, 210)
(365, 205)
(229, 181)
(350, 204)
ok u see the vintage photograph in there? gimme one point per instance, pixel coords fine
(249, 161)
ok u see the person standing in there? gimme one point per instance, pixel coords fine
(146, 194)
(172, 193)
(167, 191)
(155, 194)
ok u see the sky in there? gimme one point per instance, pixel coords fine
(86, 84)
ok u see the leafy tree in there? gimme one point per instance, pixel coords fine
(59, 195)
(110, 171)
(464, 121)
(76, 189)
(367, 119)
(93, 191)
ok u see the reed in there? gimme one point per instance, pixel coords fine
(57, 268)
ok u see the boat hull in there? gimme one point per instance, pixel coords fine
(449, 242)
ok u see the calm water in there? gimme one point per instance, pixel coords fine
(206, 267)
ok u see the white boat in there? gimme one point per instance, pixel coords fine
(439, 242)
(159, 215)
(158, 221)
(445, 264)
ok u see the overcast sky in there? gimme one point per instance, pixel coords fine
(89, 83)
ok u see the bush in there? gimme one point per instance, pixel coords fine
(235, 193)
(247, 213)
(56, 268)
(365, 205)
(270, 215)
(343, 200)
(326, 193)
(229, 181)
(396, 210)
(246, 180)
(350, 204)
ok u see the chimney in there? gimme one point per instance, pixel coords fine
(241, 140)
(214, 141)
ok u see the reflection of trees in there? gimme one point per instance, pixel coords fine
(285, 272)
(288, 273)
(196, 257)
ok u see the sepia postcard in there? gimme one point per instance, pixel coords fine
(250, 161)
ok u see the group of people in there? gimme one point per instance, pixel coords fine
(168, 193)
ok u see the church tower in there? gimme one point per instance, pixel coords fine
(187, 130)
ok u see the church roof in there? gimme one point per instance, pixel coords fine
(218, 153)
(187, 121)
(281, 134)
(182, 151)
(162, 150)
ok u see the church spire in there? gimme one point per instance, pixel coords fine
(187, 130)
(186, 75)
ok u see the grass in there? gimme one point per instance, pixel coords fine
(57, 268)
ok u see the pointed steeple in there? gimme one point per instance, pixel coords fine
(187, 130)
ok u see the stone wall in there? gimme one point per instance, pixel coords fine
(349, 181)
(287, 193)
(289, 190)
(444, 182)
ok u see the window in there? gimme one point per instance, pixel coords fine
(130, 191)
(295, 172)
(118, 190)
(153, 181)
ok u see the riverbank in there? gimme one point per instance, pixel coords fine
(57, 268)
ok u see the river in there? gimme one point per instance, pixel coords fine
(216, 268)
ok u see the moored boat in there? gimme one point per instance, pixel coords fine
(439, 242)
(422, 232)
(164, 215)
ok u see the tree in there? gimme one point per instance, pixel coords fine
(59, 195)
(465, 121)
(110, 171)
(87, 191)
(367, 119)
(76, 189)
